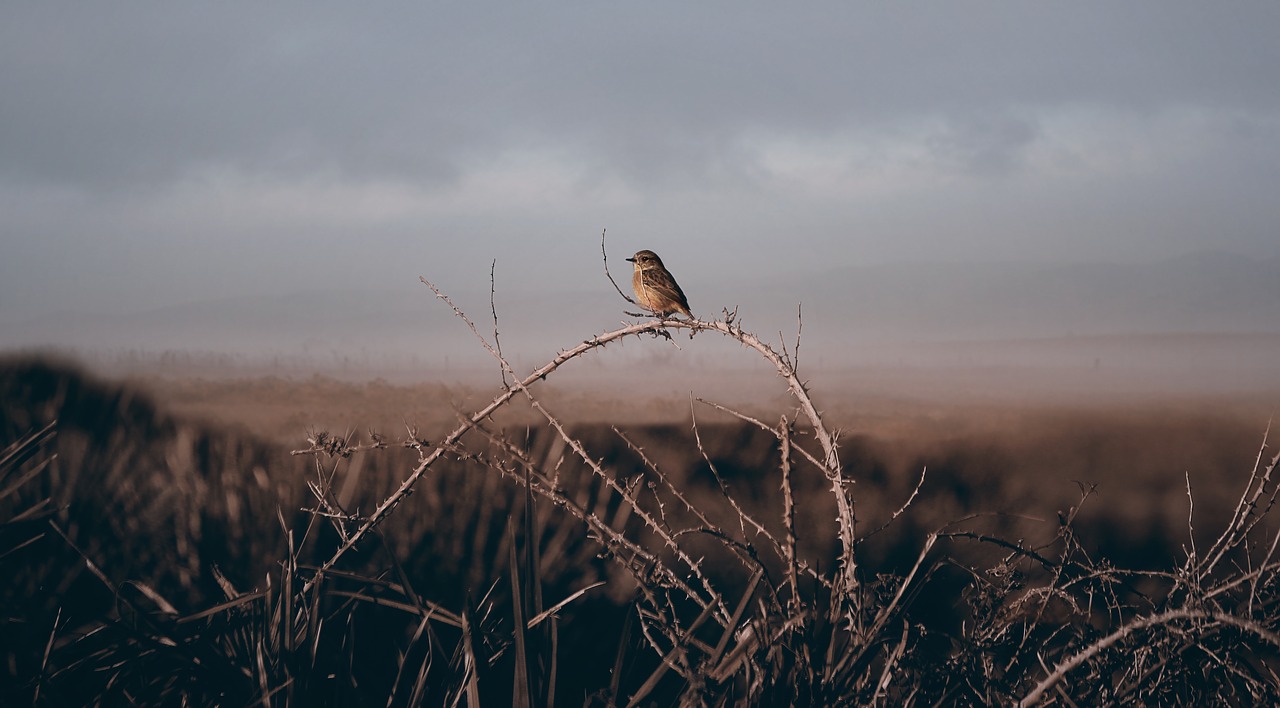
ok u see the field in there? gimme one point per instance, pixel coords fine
(987, 535)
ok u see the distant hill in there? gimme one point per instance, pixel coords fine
(1207, 292)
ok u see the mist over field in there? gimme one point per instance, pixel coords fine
(1199, 321)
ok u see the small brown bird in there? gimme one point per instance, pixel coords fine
(655, 289)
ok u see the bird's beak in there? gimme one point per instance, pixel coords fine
(631, 260)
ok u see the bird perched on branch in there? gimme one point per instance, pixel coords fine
(655, 289)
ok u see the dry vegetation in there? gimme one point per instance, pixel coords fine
(507, 553)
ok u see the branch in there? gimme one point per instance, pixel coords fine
(1141, 623)
(831, 461)
(494, 309)
(605, 256)
(902, 509)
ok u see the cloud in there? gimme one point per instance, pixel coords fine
(119, 94)
(988, 145)
(182, 151)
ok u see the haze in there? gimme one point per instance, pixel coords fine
(275, 178)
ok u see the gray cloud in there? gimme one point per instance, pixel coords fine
(184, 152)
(123, 93)
(989, 145)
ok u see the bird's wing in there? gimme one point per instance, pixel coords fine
(662, 284)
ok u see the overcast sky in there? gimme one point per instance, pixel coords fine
(153, 153)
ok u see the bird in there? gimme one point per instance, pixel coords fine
(655, 289)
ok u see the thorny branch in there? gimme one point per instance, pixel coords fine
(497, 343)
(830, 463)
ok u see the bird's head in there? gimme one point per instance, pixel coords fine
(646, 259)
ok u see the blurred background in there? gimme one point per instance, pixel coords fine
(270, 182)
